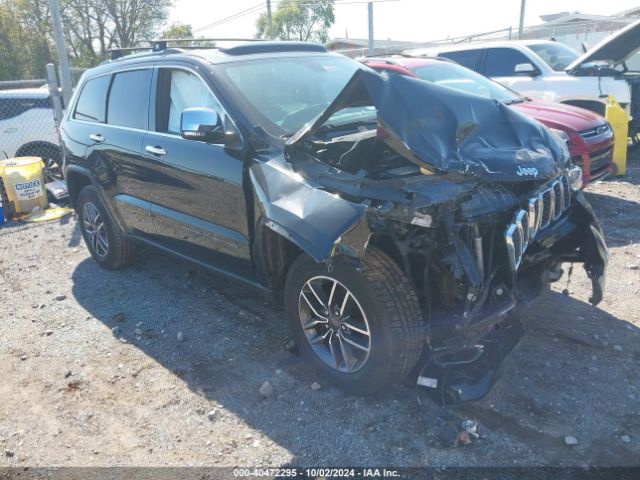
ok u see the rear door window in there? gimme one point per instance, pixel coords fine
(91, 105)
(466, 58)
(501, 62)
(128, 104)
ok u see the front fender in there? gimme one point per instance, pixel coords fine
(320, 223)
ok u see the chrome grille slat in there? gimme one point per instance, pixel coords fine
(541, 211)
(552, 204)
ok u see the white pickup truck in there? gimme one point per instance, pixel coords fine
(552, 72)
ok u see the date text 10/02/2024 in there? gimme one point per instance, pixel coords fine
(317, 472)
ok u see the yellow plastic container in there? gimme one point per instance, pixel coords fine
(619, 121)
(23, 181)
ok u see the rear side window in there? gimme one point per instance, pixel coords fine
(13, 107)
(501, 62)
(129, 99)
(466, 58)
(92, 101)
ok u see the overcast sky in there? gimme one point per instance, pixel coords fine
(412, 20)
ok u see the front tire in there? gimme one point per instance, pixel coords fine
(106, 243)
(361, 329)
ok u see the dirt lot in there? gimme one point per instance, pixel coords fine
(94, 373)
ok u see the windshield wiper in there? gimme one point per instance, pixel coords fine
(515, 100)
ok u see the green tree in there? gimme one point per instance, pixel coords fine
(301, 20)
(91, 27)
(181, 30)
(136, 20)
(25, 46)
(178, 30)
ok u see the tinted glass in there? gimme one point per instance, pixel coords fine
(12, 107)
(129, 99)
(501, 62)
(557, 55)
(460, 78)
(284, 94)
(177, 91)
(466, 58)
(92, 101)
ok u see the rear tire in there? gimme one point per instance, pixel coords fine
(379, 293)
(51, 157)
(106, 243)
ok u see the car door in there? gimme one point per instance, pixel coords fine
(111, 118)
(500, 65)
(197, 195)
(467, 58)
(11, 126)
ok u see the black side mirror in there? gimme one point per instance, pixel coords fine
(203, 124)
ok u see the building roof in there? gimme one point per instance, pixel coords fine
(571, 17)
(632, 12)
(364, 43)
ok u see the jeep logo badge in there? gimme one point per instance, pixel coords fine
(527, 171)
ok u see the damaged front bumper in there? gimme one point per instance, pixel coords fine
(462, 365)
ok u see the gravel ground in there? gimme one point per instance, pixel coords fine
(162, 364)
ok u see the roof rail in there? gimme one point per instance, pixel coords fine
(274, 47)
(246, 47)
(163, 45)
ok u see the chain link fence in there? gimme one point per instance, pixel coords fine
(29, 122)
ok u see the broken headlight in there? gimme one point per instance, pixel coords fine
(575, 178)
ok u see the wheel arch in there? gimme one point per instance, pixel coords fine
(77, 178)
(274, 251)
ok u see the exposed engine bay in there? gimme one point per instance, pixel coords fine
(364, 154)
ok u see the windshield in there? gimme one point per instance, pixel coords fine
(284, 94)
(460, 78)
(556, 55)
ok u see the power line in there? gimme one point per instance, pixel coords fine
(261, 6)
(236, 15)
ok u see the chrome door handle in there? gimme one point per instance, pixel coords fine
(11, 130)
(96, 137)
(155, 150)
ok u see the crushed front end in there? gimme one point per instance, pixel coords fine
(479, 268)
(477, 204)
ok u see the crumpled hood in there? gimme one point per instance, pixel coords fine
(616, 48)
(447, 130)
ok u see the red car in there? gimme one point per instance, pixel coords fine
(589, 135)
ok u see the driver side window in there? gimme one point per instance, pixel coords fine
(177, 91)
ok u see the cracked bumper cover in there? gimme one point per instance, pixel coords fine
(467, 366)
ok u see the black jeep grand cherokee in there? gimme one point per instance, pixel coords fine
(403, 224)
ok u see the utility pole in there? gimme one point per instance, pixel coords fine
(523, 4)
(54, 91)
(270, 18)
(371, 47)
(65, 72)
